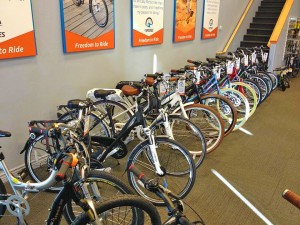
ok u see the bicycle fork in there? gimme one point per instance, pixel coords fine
(153, 152)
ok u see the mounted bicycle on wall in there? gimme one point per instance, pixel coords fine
(98, 9)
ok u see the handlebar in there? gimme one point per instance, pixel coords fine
(39, 131)
(139, 174)
(69, 161)
(292, 197)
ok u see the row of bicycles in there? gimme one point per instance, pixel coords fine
(177, 119)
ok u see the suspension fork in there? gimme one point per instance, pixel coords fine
(153, 152)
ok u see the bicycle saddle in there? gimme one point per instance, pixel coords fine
(75, 104)
(4, 133)
(135, 84)
(103, 93)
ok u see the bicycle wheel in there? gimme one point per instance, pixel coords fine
(120, 114)
(225, 109)
(39, 159)
(295, 67)
(209, 122)
(77, 2)
(249, 93)
(122, 210)
(256, 88)
(274, 79)
(101, 186)
(267, 78)
(99, 11)
(241, 104)
(263, 86)
(176, 163)
(97, 126)
(185, 132)
(2, 197)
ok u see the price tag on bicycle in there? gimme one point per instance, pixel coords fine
(181, 86)
(238, 63)
(229, 66)
(246, 60)
(163, 87)
(253, 58)
(265, 57)
(198, 76)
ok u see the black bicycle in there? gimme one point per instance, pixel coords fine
(98, 9)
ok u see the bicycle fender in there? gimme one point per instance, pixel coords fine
(28, 142)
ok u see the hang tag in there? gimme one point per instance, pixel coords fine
(290, 70)
(265, 57)
(86, 125)
(198, 75)
(238, 63)
(246, 60)
(253, 58)
(229, 66)
(284, 72)
(163, 88)
(181, 86)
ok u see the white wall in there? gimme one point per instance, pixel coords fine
(31, 88)
(277, 50)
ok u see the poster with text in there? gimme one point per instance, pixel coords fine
(17, 37)
(210, 19)
(147, 22)
(184, 20)
(87, 25)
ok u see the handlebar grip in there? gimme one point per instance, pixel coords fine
(38, 130)
(65, 165)
(292, 197)
(184, 221)
(138, 174)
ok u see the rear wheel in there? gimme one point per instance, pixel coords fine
(209, 122)
(99, 10)
(225, 109)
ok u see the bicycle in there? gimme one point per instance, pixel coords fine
(98, 9)
(173, 202)
(18, 206)
(152, 154)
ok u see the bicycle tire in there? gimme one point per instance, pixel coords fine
(268, 78)
(120, 114)
(97, 128)
(105, 182)
(2, 197)
(209, 122)
(263, 86)
(249, 93)
(186, 132)
(256, 88)
(225, 109)
(274, 79)
(104, 208)
(241, 104)
(97, 10)
(39, 162)
(180, 156)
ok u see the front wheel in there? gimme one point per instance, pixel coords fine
(127, 209)
(175, 161)
(101, 186)
(99, 11)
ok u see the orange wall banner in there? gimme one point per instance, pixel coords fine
(87, 25)
(147, 26)
(210, 19)
(184, 20)
(16, 35)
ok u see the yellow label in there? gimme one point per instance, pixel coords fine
(15, 181)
